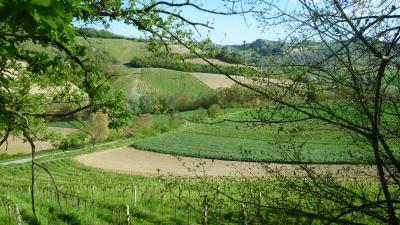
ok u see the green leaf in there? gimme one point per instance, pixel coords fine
(4, 81)
(36, 16)
(45, 3)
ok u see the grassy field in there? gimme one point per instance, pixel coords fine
(103, 198)
(154, 80)
(89, 196)
(309, 141)
(93, 197)
(65, 124)
(160, 81)
(120, 49)
(172, 82)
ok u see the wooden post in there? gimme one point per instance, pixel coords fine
(259, 205)
(134, 195)
(205, 210)
(18, 215)
(128, 218)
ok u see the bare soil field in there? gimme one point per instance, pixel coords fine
(215, 81)
(214, 61)
(17, 145)
(133, 161)
(178, 49)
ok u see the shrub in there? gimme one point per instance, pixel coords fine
(215, 111)
(237, 96)
(133, 102)
(144, 125)
(147, 103)
(199, 115)
(170, 63)
(175, 103)
(117, 134)
(175, 122)
(73, 140)
(98, 127)
(56, 138)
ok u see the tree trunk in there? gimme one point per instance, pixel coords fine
(33, 181)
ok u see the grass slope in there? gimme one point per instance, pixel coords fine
(120, 49)
(93, 197)
(160, 81)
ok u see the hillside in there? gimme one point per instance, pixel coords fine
(160, 81)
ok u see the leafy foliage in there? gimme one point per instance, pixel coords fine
(94, 33)
(215, 111)
(172, 64)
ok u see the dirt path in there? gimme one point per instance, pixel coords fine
(133, 161)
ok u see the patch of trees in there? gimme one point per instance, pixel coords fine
(167, 62)
(235, 96)
(262, 47)
(94, 33)
(227, 55)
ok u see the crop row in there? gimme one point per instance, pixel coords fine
(88, 196)
(244, 149)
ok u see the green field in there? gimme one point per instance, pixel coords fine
(310, 142)
(160, 81)
(89, 196)
(65, 124)
(120, 49)
(150, 80)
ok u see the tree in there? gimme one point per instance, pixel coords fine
(342, 58)
(133, 103)
(98, 127)
(32, 80)
(147, 103)
(67, 77)
(215, 111)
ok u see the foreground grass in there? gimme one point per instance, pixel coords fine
(89, 196)
(94, 197)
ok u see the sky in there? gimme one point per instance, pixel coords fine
(233, 29)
